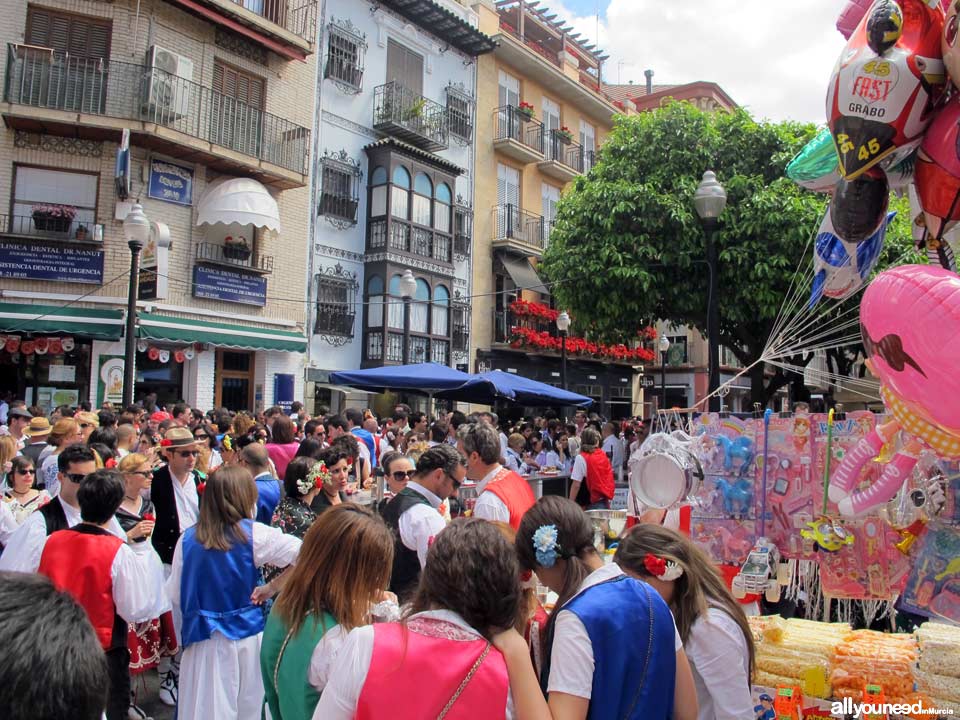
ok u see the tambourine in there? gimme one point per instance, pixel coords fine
(663, 480)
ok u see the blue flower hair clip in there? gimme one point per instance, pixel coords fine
(545, 545)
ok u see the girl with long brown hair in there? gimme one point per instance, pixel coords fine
(711, 623)
(343, 568)
(213, 582)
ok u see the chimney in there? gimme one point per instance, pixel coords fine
(648, 74)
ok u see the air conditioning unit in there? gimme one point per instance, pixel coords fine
(169, 86)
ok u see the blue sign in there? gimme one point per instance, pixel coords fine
(170, 183)
(56, 264)
(229, 286)
(283, 391)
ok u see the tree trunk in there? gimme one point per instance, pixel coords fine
(758, 393)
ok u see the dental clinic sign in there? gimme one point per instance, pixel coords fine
(170, 183)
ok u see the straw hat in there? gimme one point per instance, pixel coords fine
(38, 426)
(178, 437)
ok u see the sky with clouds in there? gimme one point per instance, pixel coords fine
(771, 56)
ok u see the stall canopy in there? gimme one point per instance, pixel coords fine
(423, 377)
(486, 388)
(95, 323)
(241, 337)
(243, 201)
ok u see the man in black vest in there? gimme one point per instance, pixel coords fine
(176, 500)
(22, 553)
(414, 515)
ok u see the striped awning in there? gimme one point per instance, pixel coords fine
(94, 323)
(154, 326)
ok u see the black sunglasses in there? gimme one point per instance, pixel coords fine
(84, 426)
(403, 474)
(200, 435)
(28, 471)
(188, 453)
(75, 477)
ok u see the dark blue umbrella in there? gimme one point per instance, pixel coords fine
(486, 388)
(423, 377)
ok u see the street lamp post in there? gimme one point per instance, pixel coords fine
(664, 349)
(408, 287)
(709, 201)
(563, 325)
(136, 228)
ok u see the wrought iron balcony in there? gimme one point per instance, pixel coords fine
(461, 338)
(335, 319)
(519, 230)
(518, 134)
(49, 80)
(61, 230)
(296, 16)
(411, 117)
(241, 258)
(564, 158)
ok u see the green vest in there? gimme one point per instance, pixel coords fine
(289, 694)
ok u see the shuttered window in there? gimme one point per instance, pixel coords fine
(78, 35)
(237, 117)
(405, 67)
(248, 89)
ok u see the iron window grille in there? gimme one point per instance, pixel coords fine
(336, 306)
(340, 188)
(460, 113)
(461, 327)
(462, 229)
(346, 47)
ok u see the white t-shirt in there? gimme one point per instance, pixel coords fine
(715, 644)
(489, 506)
(579, 471)
(188, 502)
(421, 523)
(571, 658)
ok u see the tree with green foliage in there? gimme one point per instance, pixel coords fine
(628, 249)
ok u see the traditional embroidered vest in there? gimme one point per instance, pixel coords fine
(599, 475)
(54, 516)
(285, 664)
(215, 590)
(514, 491)
(406, 564)
(433, 657)
(80, 561)
(166, 532)
(632, 680)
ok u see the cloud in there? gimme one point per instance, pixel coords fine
(772, 57)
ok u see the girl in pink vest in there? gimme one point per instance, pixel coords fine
(439, 662)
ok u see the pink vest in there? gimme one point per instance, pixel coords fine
(424, 664)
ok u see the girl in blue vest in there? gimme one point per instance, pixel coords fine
(213, 580)
(612, 649)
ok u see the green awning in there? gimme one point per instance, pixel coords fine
(86, 322)
(154, 326)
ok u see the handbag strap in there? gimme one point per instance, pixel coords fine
(646, 661)
(465, 682)
(283, 647)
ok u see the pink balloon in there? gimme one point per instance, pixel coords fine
(851, 15)
(937, 173)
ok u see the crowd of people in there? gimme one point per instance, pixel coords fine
(323, 567)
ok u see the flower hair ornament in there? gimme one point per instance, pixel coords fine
(660, 568)
(546, 545)
(315, 478)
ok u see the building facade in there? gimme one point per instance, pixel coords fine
(202, 112)
(396, 174)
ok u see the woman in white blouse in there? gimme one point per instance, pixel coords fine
(713, 626)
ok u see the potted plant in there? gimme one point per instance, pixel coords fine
(236, 248)
(415, 111)
(81, 233)
(53, 217)
(525, 111)
(564, 135)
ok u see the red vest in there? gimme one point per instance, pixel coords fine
(599, 475)
(416, 669)
(79, 561)
(514, 491)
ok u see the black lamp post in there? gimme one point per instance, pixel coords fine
(563, 325)
(664, 349)
(136, 228)
(709, 201)
(408, 288)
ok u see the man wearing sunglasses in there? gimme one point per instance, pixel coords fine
(414, 517)
(23, 552)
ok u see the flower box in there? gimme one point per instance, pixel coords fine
(53, 217)
(237, 252)
(564, 135)
(525, 112)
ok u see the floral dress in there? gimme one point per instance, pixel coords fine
(21, 511)
(148, 641)
(293, 517)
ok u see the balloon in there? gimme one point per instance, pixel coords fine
(851, 15)
(939, 252)
(937, 174)
(841, 267)
(859, 205)
(882, 91)
(815, 167)
(948, 44)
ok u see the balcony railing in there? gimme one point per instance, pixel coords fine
(461, 338)
(44, 78)
(296, 16)
(335, 319)
(565, 152)
(514, 125)
(413, 239)
(32, 227)
(405, 114)
(504, 321)
(240, 258)
(512, 223)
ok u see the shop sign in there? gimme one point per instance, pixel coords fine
(170, 183)
(62, 373)
(283, 391)
(55, 264)
(110, 380)
(218, 284)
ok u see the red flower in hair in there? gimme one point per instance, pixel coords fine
(526, 576)
(110, 464)
(201, 487)
(149, 516)
(166, 443)
(655, 566)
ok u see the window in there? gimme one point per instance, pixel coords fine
(36, 189)
(378, 196)
(335, 307)
(549, 197)
(345, 48)
(439, 323)
(340, 190)
(420, 308)
(441, 207)
(508, 200)
(400, 193)
(375, 302)
(508, 90)
(423, 192)
(588, 140)
(404, 67)
(461, 326)
(78, 35)
(460, 114)
(462, 229)
(395, 308)
(236, 117)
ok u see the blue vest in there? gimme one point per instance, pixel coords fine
(268, 497)
(628, 682)
(215, 589)
(366, 438)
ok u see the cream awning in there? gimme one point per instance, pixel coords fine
(238, 200)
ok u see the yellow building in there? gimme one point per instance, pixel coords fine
(540, 119)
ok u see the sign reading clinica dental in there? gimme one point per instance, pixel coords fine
(170, 183)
